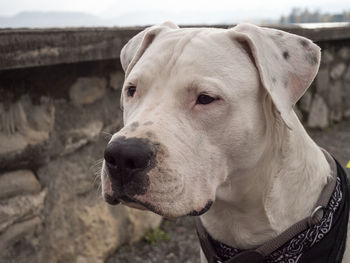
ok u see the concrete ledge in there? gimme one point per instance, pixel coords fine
(23, 48)
(320, 34)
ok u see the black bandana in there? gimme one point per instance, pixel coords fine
(323, 242)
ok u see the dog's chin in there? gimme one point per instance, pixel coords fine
(130, 202)
(137, 204)
(134, 205)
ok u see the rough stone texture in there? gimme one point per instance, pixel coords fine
(335, 97)
(141, 221)
(24, 124)
(338, 71)
(74, 109)
(327, 57)
(183, 246)
(346, 95)
(332, 84)
(347, 113)
(87, 90)
(347, 76)
(78, 223)
(344, 53)
(73, 125)
(76, 138)
(322, 81)
(77, 126)
(20, 242)
(19, 208)
(117, 80)
(305, 101)
(21, 48)
(318, 117)
(18, 183)
(20, 228)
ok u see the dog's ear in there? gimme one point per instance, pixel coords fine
(287, 63)
(136, 46)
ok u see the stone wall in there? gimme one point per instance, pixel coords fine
(59, 105)
(328, 99)
(54, 124)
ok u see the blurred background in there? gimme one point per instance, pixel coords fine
(60, 83)
(65, 13)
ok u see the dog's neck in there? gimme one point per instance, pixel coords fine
(255, 205)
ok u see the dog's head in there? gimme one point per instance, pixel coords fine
(193, 111)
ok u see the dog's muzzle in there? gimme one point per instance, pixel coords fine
(128, 160)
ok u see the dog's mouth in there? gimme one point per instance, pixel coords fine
(134, 203)
(111, 199)
(129, 201)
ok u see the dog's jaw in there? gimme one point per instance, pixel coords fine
(279, 191)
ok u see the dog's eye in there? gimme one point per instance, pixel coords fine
(204, 99)
(131, 91)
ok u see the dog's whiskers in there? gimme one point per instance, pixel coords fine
(96, 169)
(108, 135)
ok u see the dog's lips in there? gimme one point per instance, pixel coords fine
(112, 200)
(125, 200)
(138, 205)
(134, 205)
(141, 205)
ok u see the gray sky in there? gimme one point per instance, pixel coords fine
(113, 8)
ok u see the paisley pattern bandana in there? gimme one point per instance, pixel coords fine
(294, 249)
(322, 242)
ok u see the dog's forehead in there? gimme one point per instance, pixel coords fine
(181, 51)
(188, 43)
(183, 37)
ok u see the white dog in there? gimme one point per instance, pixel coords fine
(209, 130)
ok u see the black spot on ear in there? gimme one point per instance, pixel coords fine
(304, 43)
(312, 58)
(286, 55)
(274, 80)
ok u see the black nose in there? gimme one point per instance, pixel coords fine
(125, 156)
